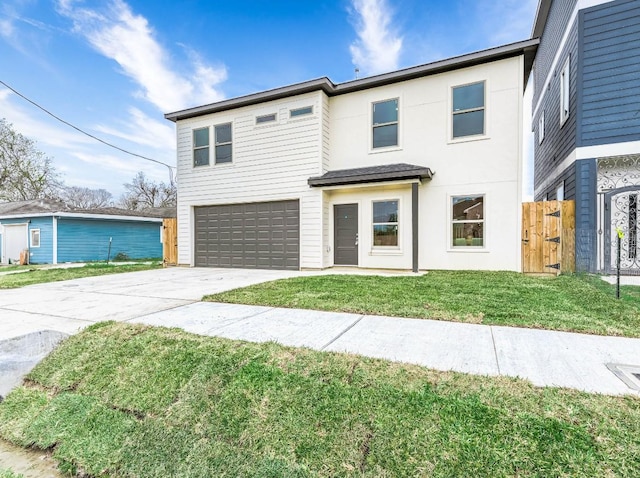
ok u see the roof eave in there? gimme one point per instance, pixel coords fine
(526, 47)
(542, 12)
(369, 178)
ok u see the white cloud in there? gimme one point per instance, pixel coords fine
(378, 47)
(144, 130)
(43, 132)
(6, 28)
(121, 35)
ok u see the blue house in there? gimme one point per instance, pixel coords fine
(52, 233)
(586, 120)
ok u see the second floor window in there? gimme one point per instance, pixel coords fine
(223, 143)
(201, 147)
(564, 91)
(385, 123)
(468, 110)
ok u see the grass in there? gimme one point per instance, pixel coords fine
(38, 276)
(136, 401)
(6, 473)
(570, 303)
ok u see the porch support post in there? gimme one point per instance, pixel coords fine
(414, 224)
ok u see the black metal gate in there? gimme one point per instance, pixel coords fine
(621, 213)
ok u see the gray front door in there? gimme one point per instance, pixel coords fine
(345, 234)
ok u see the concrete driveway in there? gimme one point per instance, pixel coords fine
(170, 297)
(70, 306)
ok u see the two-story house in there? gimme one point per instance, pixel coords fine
(586, 120)
(415, 169)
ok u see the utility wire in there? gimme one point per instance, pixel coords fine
(85, 133)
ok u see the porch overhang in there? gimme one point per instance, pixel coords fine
(372, 174)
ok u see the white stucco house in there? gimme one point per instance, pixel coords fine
(415, 169)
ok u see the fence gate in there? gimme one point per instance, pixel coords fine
(170, 241)
(548, 237)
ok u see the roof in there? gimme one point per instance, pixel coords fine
(540, 21)
(371, 174)
(527, 48)
(51, 207)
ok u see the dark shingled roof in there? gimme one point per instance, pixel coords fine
(51, 206)
(527, 48)
(371, 174)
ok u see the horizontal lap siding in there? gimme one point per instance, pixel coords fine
(559, 140)
(271, 162)
(82, 240)
(568, 176)
(611, 74)
(44, 253)
(557, 23)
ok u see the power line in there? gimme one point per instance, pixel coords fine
(84, 132)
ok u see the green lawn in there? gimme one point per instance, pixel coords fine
(6, 473)
(135, 401)
(37, 276)
(570, 303)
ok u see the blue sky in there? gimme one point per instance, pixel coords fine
(114, 67)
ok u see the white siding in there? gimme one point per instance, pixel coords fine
(270, 162)
(489, 165)
(274, 161)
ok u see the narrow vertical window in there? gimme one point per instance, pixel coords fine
(201, 147)
(633, 226)
(541, 128)
(35, 237)
(385, 123)
(468, 110)
(385, 223)
(223, 143)
(467, 221)
(564, 91)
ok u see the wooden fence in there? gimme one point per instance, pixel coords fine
(548, 237)
(170, 241)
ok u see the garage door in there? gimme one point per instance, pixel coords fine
(263, 235)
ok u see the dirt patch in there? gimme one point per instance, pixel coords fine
(30, 463)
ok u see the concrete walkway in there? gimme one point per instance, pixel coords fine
(170, 298)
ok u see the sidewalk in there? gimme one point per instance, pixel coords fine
(171, 297)
(546, 358)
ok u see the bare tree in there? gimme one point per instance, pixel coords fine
(142, 193)
(84, 198)
(25, 172)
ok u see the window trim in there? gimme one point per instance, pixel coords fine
(295, 113)
(216, 144)
(194, 148)
(32, 244)
(541, 128)
(373, 148)
(565, 91)
(266, 119)
(374, 247)
(468, 137)
(451, 222)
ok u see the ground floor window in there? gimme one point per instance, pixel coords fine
(385, 223)
(467, 221)
(35, 237)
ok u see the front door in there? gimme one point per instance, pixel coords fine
(345, 234)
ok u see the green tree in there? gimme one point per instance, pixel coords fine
(25, 172)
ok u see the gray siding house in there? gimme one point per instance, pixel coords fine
(586, 121)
